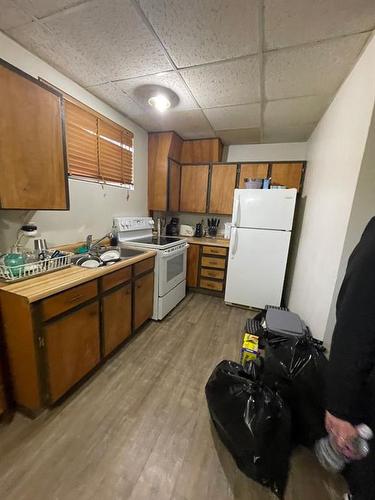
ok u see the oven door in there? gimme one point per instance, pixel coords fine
(172, 269)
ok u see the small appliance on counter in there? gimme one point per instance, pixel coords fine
(171, 229)
(199, 230)
(186, 230)
(213, 224)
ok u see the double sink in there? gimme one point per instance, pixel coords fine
(125, 254)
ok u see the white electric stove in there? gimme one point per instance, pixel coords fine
(170, 261)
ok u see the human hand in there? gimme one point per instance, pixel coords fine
(343, 433)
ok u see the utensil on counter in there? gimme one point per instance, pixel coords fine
(40, 246)
(213, 224)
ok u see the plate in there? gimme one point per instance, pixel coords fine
(110, 255)
(91, 263)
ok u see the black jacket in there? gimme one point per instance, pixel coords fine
(352, 357)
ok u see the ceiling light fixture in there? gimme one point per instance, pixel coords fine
(159, 102)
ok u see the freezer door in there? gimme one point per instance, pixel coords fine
(256, 267)
(264, 208)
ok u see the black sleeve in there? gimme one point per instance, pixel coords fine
(352, 355)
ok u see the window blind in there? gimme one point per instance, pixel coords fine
(97, 148)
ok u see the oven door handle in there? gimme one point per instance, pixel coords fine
(167, 254)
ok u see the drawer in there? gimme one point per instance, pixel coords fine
(208, 250)
(213, 262)
(64, 301)
(212, 273)
(116, 278)
(143, 266)
(212, 285)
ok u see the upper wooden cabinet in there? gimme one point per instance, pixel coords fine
(287, 174)
(174, 182)
(252, 171)
(161, 147)
(194, 186)
(33, 168)
(201, 150)
(166, 151)
(223, 184)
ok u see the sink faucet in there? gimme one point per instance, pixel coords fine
(90, 245)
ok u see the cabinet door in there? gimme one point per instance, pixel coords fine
(287, 174)
(174, 186)
(32, 157)
(143, 299)
(223, 184)
(117, 317)
(194, 185)
(3, 405)
(252, 171)
(192, 266)
(72, 348)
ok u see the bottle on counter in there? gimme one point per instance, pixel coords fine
(332, 459)
(114, 236)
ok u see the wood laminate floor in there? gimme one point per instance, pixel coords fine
(139, 429)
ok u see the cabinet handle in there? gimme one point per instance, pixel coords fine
(74, 299)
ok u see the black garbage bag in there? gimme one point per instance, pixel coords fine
(253, 423)
(296, 368)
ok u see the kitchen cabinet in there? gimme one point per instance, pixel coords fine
(206, 268)
(144, 299)
(252, 171)
(192, 266)
(72, 348)
(174, 182)
(161, 147)
(194, 187)
(33, 166)
(287, 174)
(201, 150)
(117, 317)
(57, 339)
(222, 186)
(3, 405)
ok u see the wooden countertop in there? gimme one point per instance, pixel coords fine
(214, 242)
(43, 286)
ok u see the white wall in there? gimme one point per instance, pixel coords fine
(292, 151)
(92, 206)
(363, 210)
(334, 154)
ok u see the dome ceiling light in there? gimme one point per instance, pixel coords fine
(158, 97)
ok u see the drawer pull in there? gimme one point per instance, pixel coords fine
(74, 299)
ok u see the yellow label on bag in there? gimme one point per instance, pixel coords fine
(249, 350)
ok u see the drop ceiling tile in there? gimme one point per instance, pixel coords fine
(111, 36)
(169, 79)
(11, 15)
(42, 8)
(234, 117)
(43, 43)
(189, 124)
(295, 111)
(225, 84)
(296, 133)
(240, 136)
(311, 70)
(286, 20)
(196, 32)
(115, 97)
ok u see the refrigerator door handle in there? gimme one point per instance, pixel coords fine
(233, 242)
(236, 211)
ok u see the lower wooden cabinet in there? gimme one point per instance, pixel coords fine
(143, 298)
(72, 348)
(192, 266)
(117, 317)
(206, 268)
(3, 404)
(54, 342)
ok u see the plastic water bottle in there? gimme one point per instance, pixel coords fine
(332, 459)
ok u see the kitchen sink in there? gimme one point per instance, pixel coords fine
(125, 253)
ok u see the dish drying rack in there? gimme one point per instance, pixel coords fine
(32, 269)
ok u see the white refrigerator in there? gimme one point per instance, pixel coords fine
(259, 244)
